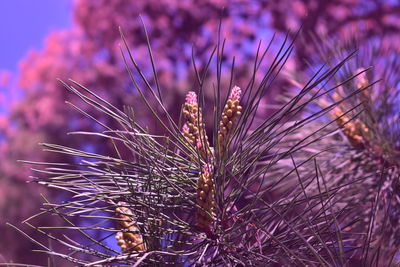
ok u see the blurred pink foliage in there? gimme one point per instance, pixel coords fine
(89, 53)
(341, 19)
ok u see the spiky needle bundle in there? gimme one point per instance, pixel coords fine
(364, 149)
(242, 218)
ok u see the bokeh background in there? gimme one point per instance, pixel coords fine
(46, 40)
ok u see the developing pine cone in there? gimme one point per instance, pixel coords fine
(205, 199)
(231, 112)
(130, 240)
(353, 130)
(193, 128)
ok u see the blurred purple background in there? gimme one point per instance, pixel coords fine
(44, 40)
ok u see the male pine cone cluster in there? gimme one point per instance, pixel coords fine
(231, 112)
(194, 131)
(355, 130)
(205, 199)
(130, 240)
